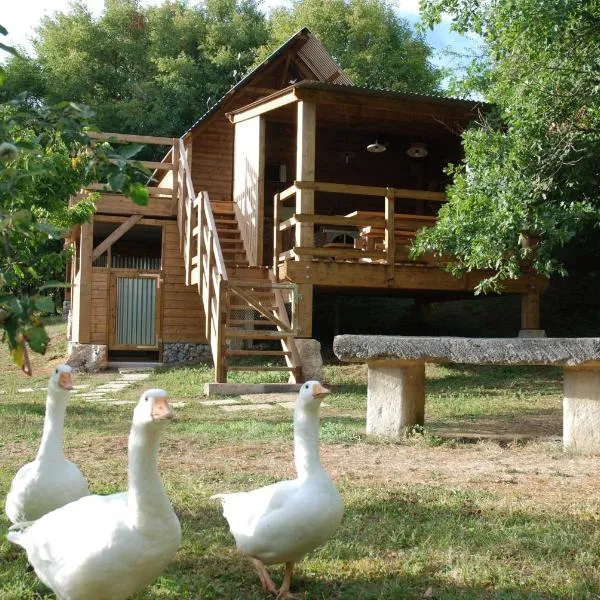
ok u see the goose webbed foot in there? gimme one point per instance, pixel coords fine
(265, 578)
(284, 591)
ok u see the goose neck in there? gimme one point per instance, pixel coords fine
(51, 446)
(306, 443)
(147, 498)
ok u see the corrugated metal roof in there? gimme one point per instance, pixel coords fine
(315, 56)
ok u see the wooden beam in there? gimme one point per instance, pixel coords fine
(262, 106)
(530, 311)
(305, 169)
(136, 139)
(117, 234)
(389, 237)
(85, 282)
(305, 310)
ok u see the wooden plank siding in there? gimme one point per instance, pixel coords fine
(99, 313)
(183, 317)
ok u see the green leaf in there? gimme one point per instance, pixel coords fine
(117, 181)
(45, 304)
(37, 338)
(128, 151)
(138, 193)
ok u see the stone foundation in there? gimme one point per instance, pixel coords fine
(184, 352)
(87, 357)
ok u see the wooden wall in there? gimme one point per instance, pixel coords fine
(99, 312)
(248, 184)
(212, 159)
(183, 317)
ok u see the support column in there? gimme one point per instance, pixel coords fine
(305, 170)
(395, 398)
(304, 317)
(581, 410)
(83, 283)
(530, 316)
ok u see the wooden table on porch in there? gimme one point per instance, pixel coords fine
(405, 226)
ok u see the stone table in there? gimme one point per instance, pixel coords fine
(396, 386)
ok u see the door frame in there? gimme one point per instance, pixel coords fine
(112, 324)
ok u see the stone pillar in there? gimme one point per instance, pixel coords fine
(581, 410)
(310, 357)
(395, 398)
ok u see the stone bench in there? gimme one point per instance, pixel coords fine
(396, 385)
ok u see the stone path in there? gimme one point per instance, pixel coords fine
(105, 392)
(255, 402)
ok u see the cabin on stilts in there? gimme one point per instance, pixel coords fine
(295, 182)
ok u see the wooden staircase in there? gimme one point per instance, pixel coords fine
(247, 322)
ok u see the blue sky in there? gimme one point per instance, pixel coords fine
(21, 16)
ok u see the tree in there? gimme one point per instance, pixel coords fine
(45, 157)
(529, 182)
(370, 42)
(145, 70)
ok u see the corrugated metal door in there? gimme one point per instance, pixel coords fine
(136, 311)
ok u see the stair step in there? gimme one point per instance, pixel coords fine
(257, 368)
(253, 334)
(257, 353)
(220, 206)
(251, 322)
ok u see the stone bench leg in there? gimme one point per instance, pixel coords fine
(395, 398)
(581, 410)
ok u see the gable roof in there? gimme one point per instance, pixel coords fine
(311, 52)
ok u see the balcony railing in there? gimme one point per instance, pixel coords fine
(380, 236)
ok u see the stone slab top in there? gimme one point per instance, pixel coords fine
(566, 352)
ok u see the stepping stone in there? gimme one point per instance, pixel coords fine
(289, 405)
(93, 395)
(120, 402)
(135, 376)
(223, 402)
(113, 388)
(178, 404)
(239, 407)
(270, 397)
(2, 392)
(81, 386)
(25, 390)
(100, 399)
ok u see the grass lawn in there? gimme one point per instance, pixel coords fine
(469, 520)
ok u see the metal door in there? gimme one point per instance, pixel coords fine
(135, 303)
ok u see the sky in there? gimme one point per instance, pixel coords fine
(20, 18)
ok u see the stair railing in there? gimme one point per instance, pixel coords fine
(203, 260)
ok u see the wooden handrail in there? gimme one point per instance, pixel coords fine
(367, 190)
(126, 138)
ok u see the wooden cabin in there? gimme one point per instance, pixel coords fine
(295, 182)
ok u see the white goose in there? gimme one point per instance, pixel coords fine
(50, 481)
(109, 547)
(282, 522)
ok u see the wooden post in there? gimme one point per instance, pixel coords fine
(85, 282)
(189, 209)
(276, 233)
(305, 310)
(390, 233)
(209, 269)
(175, 171)
(305, 170)
(530, 311)
(200, 238)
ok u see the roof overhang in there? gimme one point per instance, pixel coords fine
(353, 106)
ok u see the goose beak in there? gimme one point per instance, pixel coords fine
(319, 390)
(161, 411)
(65, 381)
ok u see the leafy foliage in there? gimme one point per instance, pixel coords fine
(46, 156)
(147, 70)
(371, 43)
(531, 167)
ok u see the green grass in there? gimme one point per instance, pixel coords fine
(469, 520)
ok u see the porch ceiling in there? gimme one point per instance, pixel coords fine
(366, 109)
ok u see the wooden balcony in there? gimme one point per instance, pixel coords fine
(376, 253)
